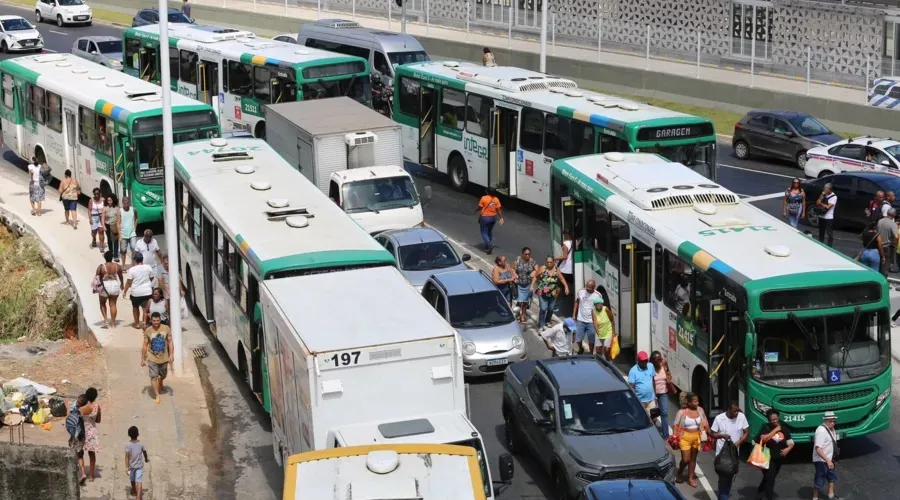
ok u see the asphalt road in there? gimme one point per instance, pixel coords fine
(246, 463)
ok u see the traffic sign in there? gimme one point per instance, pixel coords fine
(834, 376)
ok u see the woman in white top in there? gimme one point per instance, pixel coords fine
(110, 275)
(35, 187)
(692, 430)
(488, 58)
(566, 265)
(157, 304)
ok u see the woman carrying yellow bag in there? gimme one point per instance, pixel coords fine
(604, 325)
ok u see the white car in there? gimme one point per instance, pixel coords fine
(63, 12)
(863, 154)
(885, 93)
(17, 34)
(286, 37)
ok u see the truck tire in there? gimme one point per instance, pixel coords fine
(511, 436)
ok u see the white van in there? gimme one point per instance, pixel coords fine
(377, 198)
(383, 49)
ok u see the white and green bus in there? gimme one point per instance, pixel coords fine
(501, 127)
(246, 216)
(744, 307)
(238, 73)
(103, 125)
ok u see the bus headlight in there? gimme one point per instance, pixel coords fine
(468, 348)
(517, 342)
(760, 407)
(882, 397)
(147, 201)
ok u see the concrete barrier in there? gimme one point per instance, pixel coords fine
(36, 472)
(634, 81)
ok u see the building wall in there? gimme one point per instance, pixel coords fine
(36, 472)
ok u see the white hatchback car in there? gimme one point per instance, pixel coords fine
(17, 34)
(863, 154)
(63, 12)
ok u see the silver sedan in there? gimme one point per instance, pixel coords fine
(104, 50)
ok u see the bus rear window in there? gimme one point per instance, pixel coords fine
(340, 69)
(820, 297)
(180, 121)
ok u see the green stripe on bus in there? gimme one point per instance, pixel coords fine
(584, 182)
(687, 250)
(565, 111)
(11, 67)
(319, 260)
(428, 77)
(181, 170)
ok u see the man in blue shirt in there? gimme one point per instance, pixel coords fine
(640, 377)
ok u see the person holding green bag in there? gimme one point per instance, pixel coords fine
(779, 443)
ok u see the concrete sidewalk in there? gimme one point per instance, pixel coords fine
(500, 42)
(174, 430)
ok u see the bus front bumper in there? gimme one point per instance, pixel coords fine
(148, 210)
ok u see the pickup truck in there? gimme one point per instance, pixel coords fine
(581, 422)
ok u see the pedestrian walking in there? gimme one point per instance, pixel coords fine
(504, 278)
(547, 284)
(566, 264)
(149, 248)
(36, 192)
(91, 413)
(877, 207)
(872, 253)
(731, 426)
(490, 212)
(583, 312)
(110, 275)
(640, 378)
(525, 267)
(825, 453)
(135, 456)
(794, 204)
(692, 430)
(111, 224)
(186, 9)
(779, 442)
(128, 221)
(662, 382)
(162, 277)
(157, 304)
(604, 326)
(826, 203)
(156, 353)
(556, 338)
(139, 279)
(487, 59)
(75, 428)
(887, 230)
(95, 212)
(68, 195)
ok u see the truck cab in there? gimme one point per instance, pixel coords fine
(377, 198)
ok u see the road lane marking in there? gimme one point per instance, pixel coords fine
(764, 197)
(58, 32)
(758, 171)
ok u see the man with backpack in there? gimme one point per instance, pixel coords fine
(156, 352)
(730, 430)
(75, 428)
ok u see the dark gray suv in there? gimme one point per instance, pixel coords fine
(785, 135)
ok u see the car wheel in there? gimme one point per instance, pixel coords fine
(459, 177)
(741, 150)
(510, 435)
(824, 173)
(812, 215)
(38, 17)
(59, 21)
(801, 160)
(560, 486)
(3, 47)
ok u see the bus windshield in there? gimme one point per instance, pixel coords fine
(379, 194)
(482, 462)
(148, 165)
(800, 352)
(700, 158)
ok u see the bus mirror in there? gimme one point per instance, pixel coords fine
(749, 342)
(507, 468)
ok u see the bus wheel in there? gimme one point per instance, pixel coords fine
(191, 299)
(260, 132)
(242, 364)
(459, 176)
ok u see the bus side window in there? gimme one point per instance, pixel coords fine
(598, 229)
(678, 284)
(532, 134)
(619, 231)
(559, 191)
(239, 79)
(557, 136)
(261, 77)
(132, 53)
(87, 131)
(609, 143)
(409, 97)
(658, 271)
(8, 89)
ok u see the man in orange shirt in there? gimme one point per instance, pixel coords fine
(490, 212)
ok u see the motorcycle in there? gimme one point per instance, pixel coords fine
(382, 98)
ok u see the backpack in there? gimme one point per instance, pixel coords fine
(158, 344)
(74, 423)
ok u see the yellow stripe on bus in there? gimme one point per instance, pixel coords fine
(703, 260)
(258, 60)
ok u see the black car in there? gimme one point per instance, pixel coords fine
(628, 489)
(146, 17)
(785, 135)
(854, 191)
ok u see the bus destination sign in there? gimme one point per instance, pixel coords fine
(675, 132)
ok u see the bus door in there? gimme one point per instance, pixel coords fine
(502, 153)
(71, 128)
(148, 66)
(626, 319)
(725, 361)
(208, 89)
(642, 271)
(120, 162)
(426, 126)
(572, 218)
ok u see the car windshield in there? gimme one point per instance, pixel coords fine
(398, 58)
(178, 17)
(479, 310)
(810, 351)
(602, 413)
(110, 47)
(16, 25)
(70, 2)
(808, 126)
(893, 151)
(701, 158)
(427, 256)
(375, 195)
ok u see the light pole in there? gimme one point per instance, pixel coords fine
(544, 10)
(169, 163)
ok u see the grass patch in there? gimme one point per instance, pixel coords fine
(22, 310)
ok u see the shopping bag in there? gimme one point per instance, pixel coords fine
(726, 462)
(614, 348)
(674, 442)
(759, 457)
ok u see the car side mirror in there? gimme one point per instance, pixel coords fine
(654, 413)
(507, 467)
(886, 163)
(466, 257)
(94, 52)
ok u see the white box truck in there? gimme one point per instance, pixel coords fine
(379, 367)
(329, 139)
